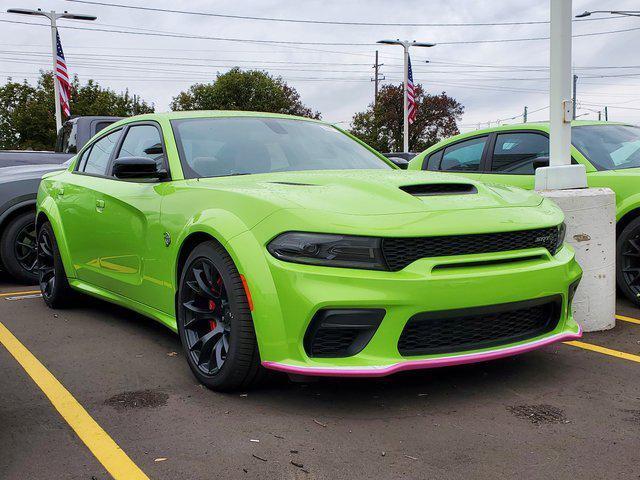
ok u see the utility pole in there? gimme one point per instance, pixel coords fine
(606, 114)
(599, 115)
(53, 18)
(575, 95)
(376, 79)
(405, 45)
(524, 115)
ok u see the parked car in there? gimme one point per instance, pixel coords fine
(74, 133)
(510, 154)
(400, 159)
(277, 242)
(19, 187)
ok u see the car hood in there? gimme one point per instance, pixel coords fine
(26, 172)
(372, 192)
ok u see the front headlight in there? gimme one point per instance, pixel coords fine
(562, 231)
(329, 250)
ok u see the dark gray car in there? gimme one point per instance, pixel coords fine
(19, 188)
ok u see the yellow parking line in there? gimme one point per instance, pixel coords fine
(26, 292)
(108, 453)
(605, 351)
(628, 319)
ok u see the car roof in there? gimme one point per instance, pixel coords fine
(542, 126)
(213, 114)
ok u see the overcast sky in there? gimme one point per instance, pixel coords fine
(492, 80)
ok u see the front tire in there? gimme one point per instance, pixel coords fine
(628, 261)
(18, 248)
(54, 286)
(215, 323)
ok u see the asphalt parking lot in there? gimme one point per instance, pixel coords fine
(565, 411)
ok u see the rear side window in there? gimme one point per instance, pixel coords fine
(464, 156)
(514, 153)
(143, 141)
(433, 162)
(98, 158)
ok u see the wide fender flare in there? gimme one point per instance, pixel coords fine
(49, 207)
(220, 224)
(627, 205)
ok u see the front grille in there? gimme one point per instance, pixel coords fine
(452, 331)
(400, 252)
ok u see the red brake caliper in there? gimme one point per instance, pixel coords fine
(212, 304)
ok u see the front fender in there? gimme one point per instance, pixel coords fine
(627, 205)
(220, 224)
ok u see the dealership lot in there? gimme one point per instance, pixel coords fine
(564, 411)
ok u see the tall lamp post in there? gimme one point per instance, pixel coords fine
(405, 45)
(53, 18)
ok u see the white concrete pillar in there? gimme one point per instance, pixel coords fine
(590, 216)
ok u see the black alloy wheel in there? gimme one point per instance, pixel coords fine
(207, 316)
(52, 278)
(46, 263)
(628, 261)
(18, 247)
(215, 323)
(25, 247)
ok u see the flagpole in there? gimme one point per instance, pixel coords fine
(54, 54)
(405, 102)
(405, 108)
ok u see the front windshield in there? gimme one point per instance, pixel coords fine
(608, 147)
(215, 147)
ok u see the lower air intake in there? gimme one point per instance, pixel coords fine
(453, 331)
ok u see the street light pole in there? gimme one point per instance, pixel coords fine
(405, 109)
(53, 18)
(560, 174)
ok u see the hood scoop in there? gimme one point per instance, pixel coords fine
(296, 184)
(434, 189)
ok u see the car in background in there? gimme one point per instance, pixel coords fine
(276, 242)
(19, 187)
(509, 155)
(400, 159)
(72, 136)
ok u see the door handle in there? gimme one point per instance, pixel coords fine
(99, 205)
(60, 192)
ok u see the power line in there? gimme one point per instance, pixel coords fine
(328, 22)
(295, 43)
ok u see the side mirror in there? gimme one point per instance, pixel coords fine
(137, 168)
(540, 162)
(399, 162)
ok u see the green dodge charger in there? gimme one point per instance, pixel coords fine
(510, 154)
(276, 242)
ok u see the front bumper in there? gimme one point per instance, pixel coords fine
(287, 296)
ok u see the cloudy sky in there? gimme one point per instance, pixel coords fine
(330, 65)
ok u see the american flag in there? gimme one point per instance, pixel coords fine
(411, 98)
(63, 78)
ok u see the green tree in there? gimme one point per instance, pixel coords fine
(26, 111)
(381, 126)
(243, 90)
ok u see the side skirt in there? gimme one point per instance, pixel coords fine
(153, 313)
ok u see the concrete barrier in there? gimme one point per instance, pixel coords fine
(590, 216)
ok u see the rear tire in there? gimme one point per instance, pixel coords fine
(628, 261)
(214, 321)
(18, 248)
(54, 286)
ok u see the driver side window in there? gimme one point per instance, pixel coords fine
(143, 141)
(464, 156)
